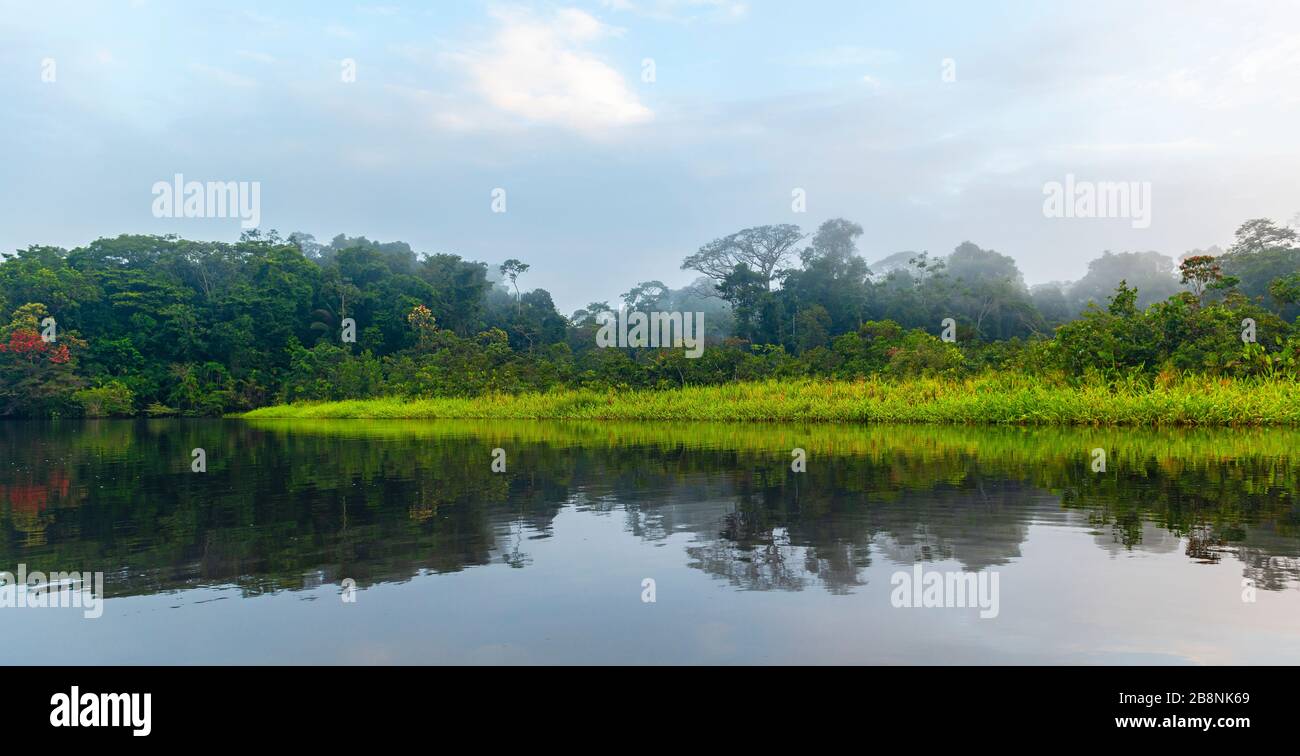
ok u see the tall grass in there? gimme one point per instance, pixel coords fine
(988, 399)
(1036, 445)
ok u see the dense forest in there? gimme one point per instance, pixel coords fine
(165, 326)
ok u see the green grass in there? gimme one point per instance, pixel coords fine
(989, 399)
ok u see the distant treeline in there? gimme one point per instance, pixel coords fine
(163, 325)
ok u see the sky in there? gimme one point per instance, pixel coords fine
(627, 133)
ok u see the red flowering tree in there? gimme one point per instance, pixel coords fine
(37, 376)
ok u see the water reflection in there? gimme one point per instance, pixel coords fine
(288, 506)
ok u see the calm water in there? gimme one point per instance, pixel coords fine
(1149, 561)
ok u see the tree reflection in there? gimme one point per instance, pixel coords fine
(295, 505)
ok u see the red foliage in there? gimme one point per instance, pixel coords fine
(29, 345)
(34, 497)
(29, 499)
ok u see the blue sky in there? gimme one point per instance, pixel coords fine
(611, 179)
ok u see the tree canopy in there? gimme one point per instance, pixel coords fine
(164, 325)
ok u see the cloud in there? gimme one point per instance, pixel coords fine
(540, 69)
(1265, 70)
(1189, 147)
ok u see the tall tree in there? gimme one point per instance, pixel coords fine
(761, 249)
(1261, 234)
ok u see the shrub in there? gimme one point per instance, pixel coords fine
(112, 399)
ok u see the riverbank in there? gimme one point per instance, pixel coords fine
(991, 399)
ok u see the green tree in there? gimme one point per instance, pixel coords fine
(37, 375)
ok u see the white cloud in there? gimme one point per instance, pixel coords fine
(1188, 147)
(541, 70)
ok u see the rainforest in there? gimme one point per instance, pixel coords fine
(163, 326)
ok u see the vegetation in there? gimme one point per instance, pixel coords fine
(992, 398)
(290, 504)
(164, 326)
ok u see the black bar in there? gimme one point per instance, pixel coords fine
(333, 705)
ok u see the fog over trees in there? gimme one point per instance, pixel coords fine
(167, 325)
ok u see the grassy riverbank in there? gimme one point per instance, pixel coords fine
(990, 399)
